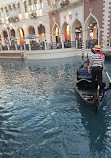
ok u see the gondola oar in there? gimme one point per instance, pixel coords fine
(109, 79)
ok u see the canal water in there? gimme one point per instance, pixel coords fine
(41, 115)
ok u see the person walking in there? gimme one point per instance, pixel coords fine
(97, 63)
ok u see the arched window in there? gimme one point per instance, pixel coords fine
(31, 30)
(41, 29)
(21, 33)
(25, 6)
(67, 33)
(13, 33)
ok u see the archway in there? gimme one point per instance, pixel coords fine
(66, 32)
(41, 31)
(5, 36)
(21, 35)
(77, 30)
(31, 30)
(91, 32)
(12, 33)
(56, 34)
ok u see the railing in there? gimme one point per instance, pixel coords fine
(20, 47)
(12, 47)
(37, 46)
(75, 1)
(79, 44)
(69, 44)
(91, 43)
(14, 13)
(54, 45)
(50, 46)
(61, 4)
(4, 48)
(54, 7)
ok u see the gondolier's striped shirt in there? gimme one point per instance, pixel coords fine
(97, 60)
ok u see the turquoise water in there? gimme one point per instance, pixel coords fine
(41, 115)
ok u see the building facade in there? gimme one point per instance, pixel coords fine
(86, 20)
(23, 17)
(78, 21)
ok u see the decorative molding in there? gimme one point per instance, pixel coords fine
(70, 16)
(13, 19)
(90, 10)
(33, 15)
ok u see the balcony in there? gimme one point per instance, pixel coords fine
(63, 4)
(13, 19)
(35, 13)
(14, 13)
(54, 7)
(75, 1)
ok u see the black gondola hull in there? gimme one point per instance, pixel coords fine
(89, 94)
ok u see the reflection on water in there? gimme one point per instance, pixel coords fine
(42, 116)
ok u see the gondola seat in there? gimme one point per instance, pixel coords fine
(83, 74)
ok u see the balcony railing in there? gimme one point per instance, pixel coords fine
(54, 7)
(91, 43)
(13, 19)
(14, 13)
(75, 1)
(61, 4)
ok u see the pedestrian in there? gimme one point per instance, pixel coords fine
(96, 63)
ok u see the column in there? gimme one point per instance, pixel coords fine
(2, 39)
(62, 39)
(84, 36)
(36, 33)
(17, 35)
(73, 36)
(53, 38)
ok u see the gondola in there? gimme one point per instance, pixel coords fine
(90, 94)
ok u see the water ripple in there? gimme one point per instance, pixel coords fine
(42, 116)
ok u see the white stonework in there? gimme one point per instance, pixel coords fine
(106, 24)
(71, 15)
(26, 22)
(76, 14)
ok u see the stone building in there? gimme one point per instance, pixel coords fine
(86, 21)
(23, 17)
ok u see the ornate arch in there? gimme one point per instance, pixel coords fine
(55, 33)
(77, 19)
(88, 19)
(55, 24)
(65, 30)
(91, 21)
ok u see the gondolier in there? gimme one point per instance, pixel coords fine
(96, 62)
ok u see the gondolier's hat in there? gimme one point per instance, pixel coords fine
(97, 47)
